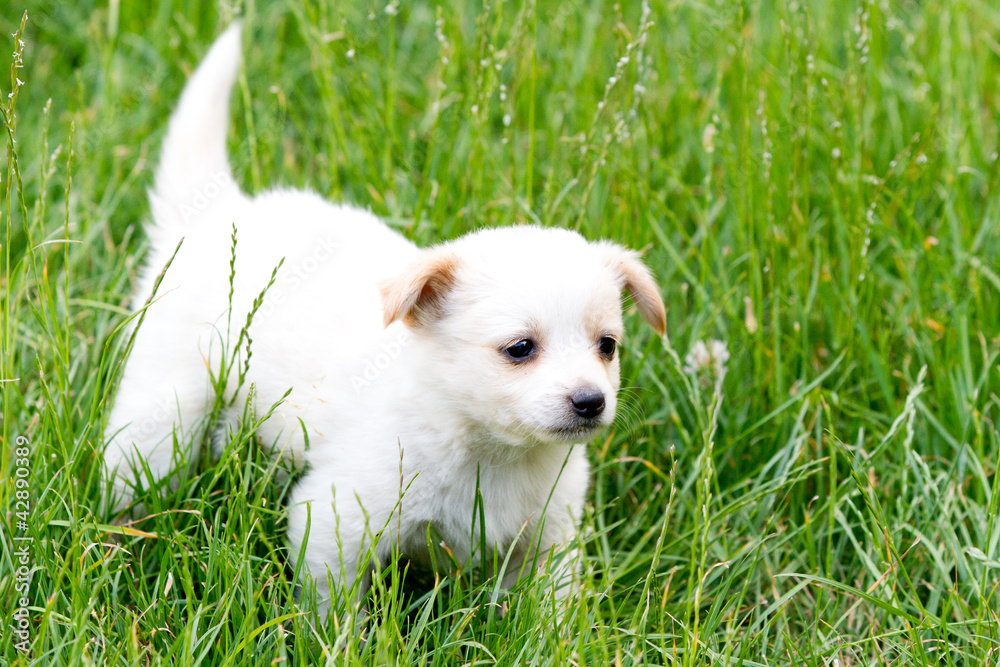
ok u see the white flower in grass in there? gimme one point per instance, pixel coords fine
(708, 138)
(706, 362)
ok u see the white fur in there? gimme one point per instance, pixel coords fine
(395, 357)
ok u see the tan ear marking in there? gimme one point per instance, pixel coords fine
(638, 282)
(416, 296)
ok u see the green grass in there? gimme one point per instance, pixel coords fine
(813, 183)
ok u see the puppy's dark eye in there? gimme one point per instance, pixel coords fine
(522, 349)
(607, 346)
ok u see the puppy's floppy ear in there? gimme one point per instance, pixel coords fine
(638, 282)
(417, 295)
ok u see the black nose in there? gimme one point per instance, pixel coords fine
(588, 403)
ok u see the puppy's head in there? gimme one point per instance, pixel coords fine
(522, 326)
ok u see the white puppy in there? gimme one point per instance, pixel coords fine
(415, 376)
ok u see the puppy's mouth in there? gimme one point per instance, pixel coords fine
(582, 430)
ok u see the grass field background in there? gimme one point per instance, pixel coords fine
(814, 184)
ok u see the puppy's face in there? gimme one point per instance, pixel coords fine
(526, 323)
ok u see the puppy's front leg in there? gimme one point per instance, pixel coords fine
(557, 552)
(337, 536)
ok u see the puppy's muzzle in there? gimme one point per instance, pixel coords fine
(587, 403)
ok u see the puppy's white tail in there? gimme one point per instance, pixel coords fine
(194, 168)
